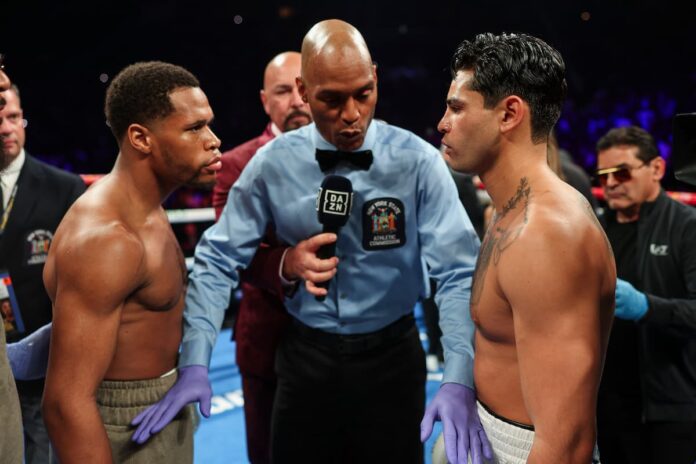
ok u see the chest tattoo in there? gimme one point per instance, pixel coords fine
(498, 238)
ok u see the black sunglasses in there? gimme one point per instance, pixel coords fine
(621, 173)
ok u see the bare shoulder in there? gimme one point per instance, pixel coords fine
(561, 241)
(562, 219)
(576, 220)
(94, 241)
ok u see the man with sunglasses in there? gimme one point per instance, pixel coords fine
(647, 397)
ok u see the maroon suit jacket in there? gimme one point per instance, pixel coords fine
(262, 316)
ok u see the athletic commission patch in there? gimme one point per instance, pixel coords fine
(36, 244)
(384, 224)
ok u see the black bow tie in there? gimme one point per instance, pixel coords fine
(328, 159)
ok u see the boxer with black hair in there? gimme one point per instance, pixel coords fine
(543, 291)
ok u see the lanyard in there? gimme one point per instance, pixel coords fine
(10, 204)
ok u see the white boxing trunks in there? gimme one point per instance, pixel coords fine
(511, 443)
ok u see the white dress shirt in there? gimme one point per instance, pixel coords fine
(9, 176)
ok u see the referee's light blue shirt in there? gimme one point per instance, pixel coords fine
(406, 200)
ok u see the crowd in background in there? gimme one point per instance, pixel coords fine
(580, 126)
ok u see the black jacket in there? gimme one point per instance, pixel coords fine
(666, 246)
(44, 195)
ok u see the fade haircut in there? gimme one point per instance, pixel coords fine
(632, 136)
(140, 94)
(516, 64)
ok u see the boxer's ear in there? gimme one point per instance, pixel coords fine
(512, 112)
(139, 137)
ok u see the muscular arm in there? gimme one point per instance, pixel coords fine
(554, 280)
(91, 278)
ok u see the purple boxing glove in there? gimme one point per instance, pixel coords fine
(191, 386)
(455, 406)
(29, 356)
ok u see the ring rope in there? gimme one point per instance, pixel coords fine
(207, 214)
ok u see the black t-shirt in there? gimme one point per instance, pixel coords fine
(620, 392)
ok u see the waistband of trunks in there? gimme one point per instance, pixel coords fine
(504, 419)
(133, 393)
(511, 443)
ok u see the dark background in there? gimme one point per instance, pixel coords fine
(631, 62)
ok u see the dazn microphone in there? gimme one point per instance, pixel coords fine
(334, 202)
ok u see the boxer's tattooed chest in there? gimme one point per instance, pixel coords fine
(498, 237)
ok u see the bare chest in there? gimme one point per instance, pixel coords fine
(490, 309)
(165, 271)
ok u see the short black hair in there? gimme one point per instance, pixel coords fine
(140, 94)
(516, 64)
(633, 136)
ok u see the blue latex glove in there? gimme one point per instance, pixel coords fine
(29, 356)
(455, 406)
(191, 386)
(630, 303)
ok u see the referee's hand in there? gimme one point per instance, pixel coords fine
(301, 262)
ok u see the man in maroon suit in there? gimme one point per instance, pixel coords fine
(262, 316)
